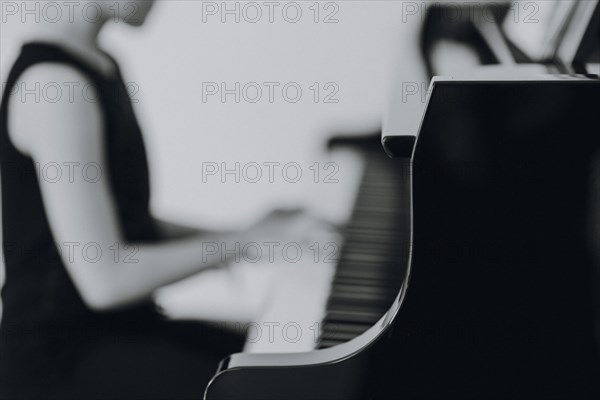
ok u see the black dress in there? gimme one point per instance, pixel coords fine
(51, 345)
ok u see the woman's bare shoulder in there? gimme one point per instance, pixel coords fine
(52, 103)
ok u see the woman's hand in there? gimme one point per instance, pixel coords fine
(282, 227)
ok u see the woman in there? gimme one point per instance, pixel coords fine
(83, 254)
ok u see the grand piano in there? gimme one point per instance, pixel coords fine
(470, 266)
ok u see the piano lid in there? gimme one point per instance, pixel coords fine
(403, 119)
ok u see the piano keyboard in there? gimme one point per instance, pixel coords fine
(329, 303)
(374, 256)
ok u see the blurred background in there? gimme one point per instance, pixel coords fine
(175, 52)
(183, 45)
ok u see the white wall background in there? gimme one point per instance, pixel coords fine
(175, 52)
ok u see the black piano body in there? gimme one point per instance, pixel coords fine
(501, 296)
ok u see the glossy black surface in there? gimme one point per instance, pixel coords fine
(502, 290)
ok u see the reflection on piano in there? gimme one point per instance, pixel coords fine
(470, 265)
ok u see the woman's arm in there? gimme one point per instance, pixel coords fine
(82, 214)
(173, 230)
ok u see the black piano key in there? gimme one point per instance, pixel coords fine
(341, 336)
(350, 308)
(364, 289)
(389, 283)
(340, 316)
(325, 343)
(337, 329)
